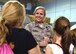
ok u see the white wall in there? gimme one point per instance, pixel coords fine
(58, 8)
(1, 8)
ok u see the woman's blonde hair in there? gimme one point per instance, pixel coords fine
(12, 12)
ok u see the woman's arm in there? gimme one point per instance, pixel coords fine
(35, 50)
(48, 50)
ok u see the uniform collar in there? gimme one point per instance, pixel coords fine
(41, 25)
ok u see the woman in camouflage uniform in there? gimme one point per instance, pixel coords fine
(40, 30)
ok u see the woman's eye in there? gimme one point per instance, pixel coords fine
(37, 13)
(41, 14)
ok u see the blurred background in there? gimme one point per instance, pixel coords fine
(54, 9)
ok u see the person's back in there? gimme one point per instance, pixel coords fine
(62, 37)
(56, 49)
(20, 40)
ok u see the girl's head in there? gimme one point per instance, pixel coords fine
(13, 13)
(62, 28)
(39, 14)
(61, 24)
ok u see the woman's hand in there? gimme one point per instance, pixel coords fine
(44, 42)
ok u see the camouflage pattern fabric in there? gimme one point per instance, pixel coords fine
(39, 31)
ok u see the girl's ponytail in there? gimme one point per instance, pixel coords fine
(66, 40)
(3, 31)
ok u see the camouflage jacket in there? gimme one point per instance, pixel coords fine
(39, 31)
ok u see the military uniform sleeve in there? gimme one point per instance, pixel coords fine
(31, 43)
(27, 27)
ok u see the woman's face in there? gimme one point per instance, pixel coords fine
(39, 15)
